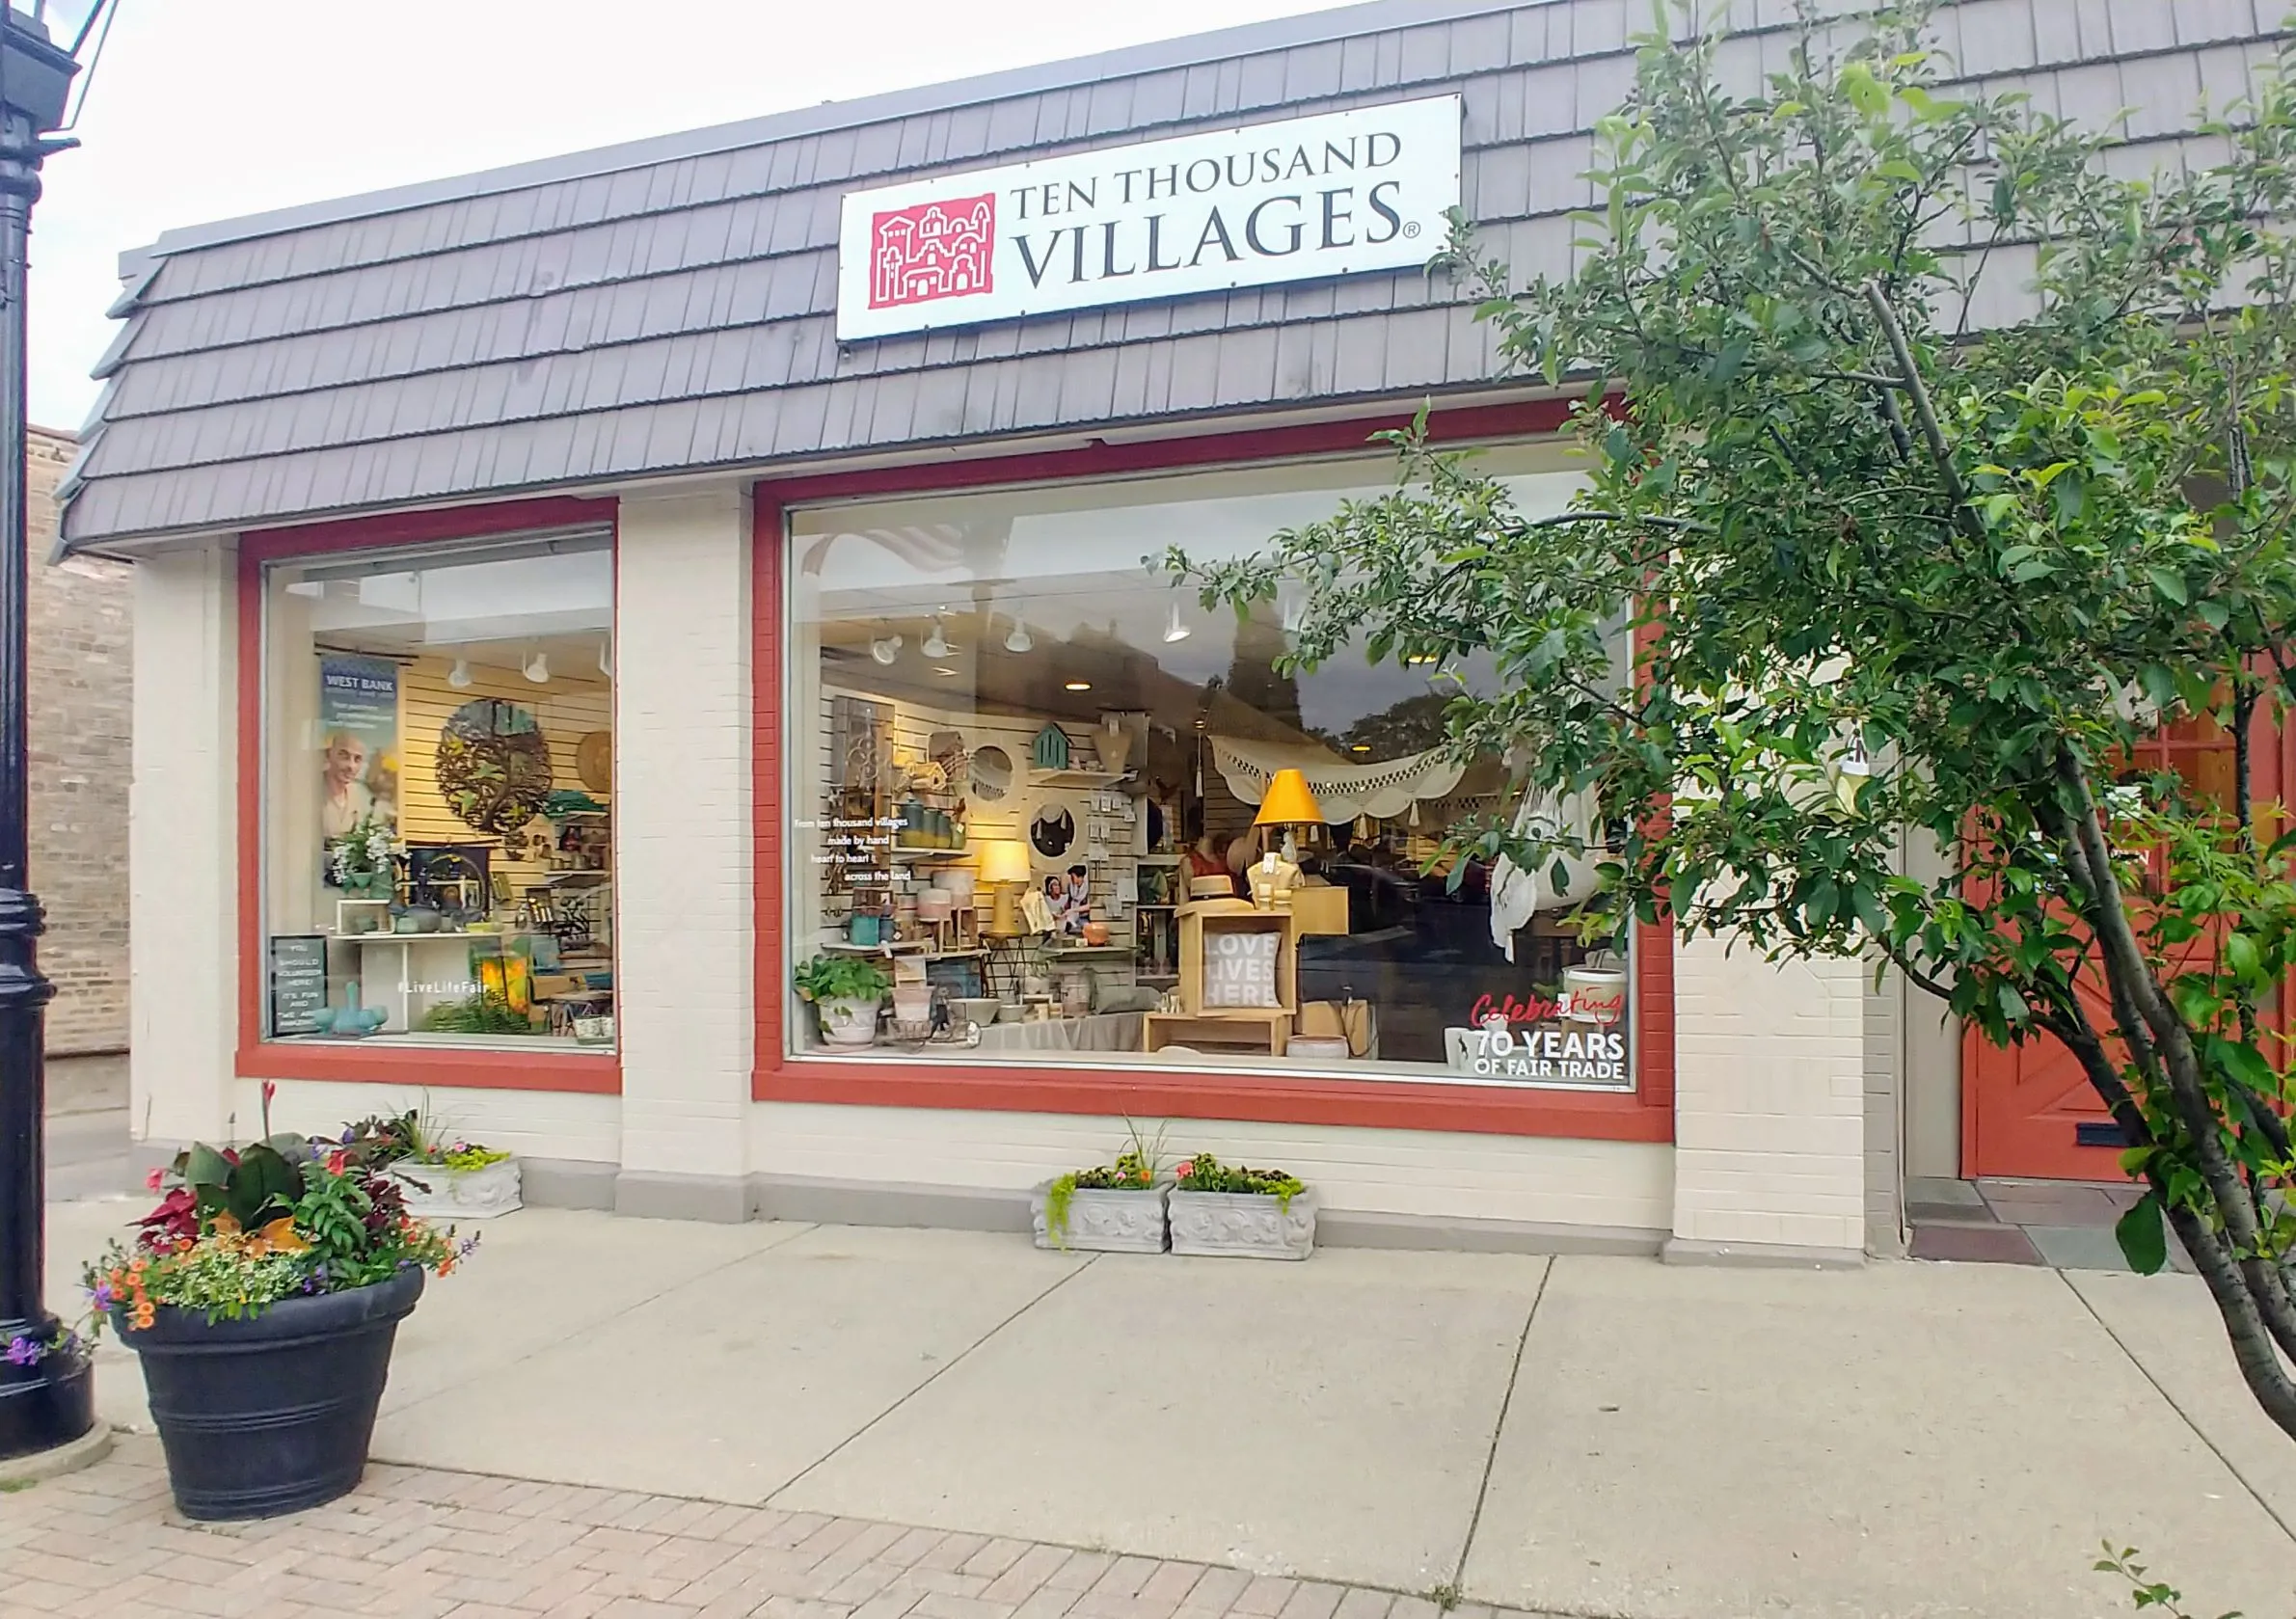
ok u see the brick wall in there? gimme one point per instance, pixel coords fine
(81, 693)
(683, 902)
(1769, 1101)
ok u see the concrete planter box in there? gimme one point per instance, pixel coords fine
(458, 1194)
(1243, 1224)
(1104, 1222)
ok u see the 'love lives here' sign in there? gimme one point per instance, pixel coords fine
(1336, 194)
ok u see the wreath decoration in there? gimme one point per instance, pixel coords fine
(493, 764)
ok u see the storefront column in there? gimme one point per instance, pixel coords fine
(682, 898)
(183, 904)
(1770, 1108)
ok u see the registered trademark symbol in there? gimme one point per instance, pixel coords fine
(1411, 228)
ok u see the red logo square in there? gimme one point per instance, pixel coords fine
(932, 251)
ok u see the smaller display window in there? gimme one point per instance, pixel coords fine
(438, 796)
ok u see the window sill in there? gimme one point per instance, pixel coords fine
(561, 1067)
(1398, 1103)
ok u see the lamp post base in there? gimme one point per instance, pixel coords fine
(44, 1407)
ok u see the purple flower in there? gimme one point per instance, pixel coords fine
(24, 1351)
(101, 1296)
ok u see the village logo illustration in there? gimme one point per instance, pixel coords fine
(931, 250)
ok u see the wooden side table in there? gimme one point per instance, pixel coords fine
(1160, 1028)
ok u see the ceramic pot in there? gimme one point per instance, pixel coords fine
(849, 1019)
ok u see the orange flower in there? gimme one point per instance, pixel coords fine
(143, 1314)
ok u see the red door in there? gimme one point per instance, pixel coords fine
(2030, 1110)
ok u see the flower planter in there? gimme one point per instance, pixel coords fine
(1104, 1220)
(849, 1021)
(273, 1413)
(435, 1192)
(1243, 1224)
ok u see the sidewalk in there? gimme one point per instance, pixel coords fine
(1585, 1436)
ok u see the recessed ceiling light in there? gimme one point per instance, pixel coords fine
(1363, 748)
(1080, 686)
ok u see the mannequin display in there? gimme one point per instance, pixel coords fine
(1272, 878)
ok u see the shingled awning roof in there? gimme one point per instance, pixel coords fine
(667, 306)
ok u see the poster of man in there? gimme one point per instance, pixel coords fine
(358, 745)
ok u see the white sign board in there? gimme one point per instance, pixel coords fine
(1332, 195)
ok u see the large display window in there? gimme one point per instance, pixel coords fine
(438, 796)
(1045, 807)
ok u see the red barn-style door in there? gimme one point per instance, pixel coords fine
(2029, 1110)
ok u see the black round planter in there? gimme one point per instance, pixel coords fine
(272, 1412)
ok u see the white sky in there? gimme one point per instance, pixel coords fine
(208, 109)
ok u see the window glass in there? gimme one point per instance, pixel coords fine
(438, 796)
(1045, 805)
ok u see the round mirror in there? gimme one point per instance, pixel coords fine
(991, 774)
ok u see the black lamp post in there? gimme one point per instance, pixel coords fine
(49, 1401)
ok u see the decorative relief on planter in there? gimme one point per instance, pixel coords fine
(1243, 1224)
(445, 1194)
(1104, 1222)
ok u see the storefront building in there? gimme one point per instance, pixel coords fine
(576, 603)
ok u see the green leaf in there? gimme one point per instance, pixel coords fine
(205, 1166)
(1863, 90)
(2169, 584)
(2241, 955)
(2143, 1235)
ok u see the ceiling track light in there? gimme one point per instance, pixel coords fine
(459, 677)
(605, 657)
(1019, 640)
(885, 648)
(1175, 630)
(537, 669)
(936, 644)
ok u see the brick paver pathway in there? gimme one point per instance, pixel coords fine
(413, 1543)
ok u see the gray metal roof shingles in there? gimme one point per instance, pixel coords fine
(678, 313)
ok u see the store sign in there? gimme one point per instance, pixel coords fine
(1334, 195)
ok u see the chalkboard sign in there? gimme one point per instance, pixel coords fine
(298, 983)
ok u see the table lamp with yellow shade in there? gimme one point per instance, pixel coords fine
(1005, 868)
(1288, 804)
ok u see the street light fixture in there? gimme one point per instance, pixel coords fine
(51, 1401)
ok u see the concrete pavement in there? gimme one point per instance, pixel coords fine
(1588, 1436)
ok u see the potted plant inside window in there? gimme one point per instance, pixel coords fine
(440, 1174)
(263, 1297)
(1223, 1210)
(846, 993)
(1110, 1208)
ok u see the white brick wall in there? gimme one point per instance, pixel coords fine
(681, 830)
(182, 848)
(1769, 1099)
(560, 1124)
(1537, 1179)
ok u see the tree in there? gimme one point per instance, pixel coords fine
(1893, 568)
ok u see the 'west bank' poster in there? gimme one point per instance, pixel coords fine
(358, 745)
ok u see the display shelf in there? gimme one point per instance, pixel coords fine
(1075, 778)
(576, 880)
(922, 852)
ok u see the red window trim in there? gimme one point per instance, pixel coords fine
(1646, 1114)
(427, 1066)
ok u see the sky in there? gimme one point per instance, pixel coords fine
(203, 110)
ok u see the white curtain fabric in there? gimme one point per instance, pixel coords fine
(1344, 791)
(1518, 895)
